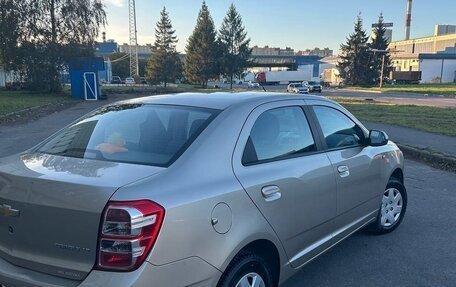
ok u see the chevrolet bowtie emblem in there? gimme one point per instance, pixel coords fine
(6, 210)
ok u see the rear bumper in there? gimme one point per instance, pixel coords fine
(192, 271)
(15, 276)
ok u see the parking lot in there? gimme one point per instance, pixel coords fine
(421, 252)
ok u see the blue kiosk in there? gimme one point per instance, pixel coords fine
(84, 77)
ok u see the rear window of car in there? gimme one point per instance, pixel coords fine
(132, 133)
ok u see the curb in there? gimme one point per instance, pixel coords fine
(33, 112)
(364, 91)
(12, 114)
(435, 159)
(395, 93)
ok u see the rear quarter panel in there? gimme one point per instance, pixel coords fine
(190, 189)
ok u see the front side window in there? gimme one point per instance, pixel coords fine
(338, 129)
(279, 133)
(131, 133)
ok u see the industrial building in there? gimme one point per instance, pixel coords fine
(2, 76)
(272, 51)
(405, 62)
(5, 76)
(434, 56)
(430, 44)
(105, 49)
(406, 54)
(326, 52)
(279, 59)
(144, 51)
(439, 67)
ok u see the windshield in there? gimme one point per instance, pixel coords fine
(313, 83)
(298, 86)
(132, 133)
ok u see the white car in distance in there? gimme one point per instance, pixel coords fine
(129, 81)
(297, 88)
(253, 85)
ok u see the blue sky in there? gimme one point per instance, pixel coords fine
(299, 24)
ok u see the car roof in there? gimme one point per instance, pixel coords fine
(221, 100)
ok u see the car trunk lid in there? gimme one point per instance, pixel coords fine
(51, 207)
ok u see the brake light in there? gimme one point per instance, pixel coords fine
(128, 233)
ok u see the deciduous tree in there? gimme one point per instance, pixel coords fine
(47, 34)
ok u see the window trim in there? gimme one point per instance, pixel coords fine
(316, 139)
(320, 130)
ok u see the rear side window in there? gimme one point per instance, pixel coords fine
(278, 133)
(338, 129)
(133, 133)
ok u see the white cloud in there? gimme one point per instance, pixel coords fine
(117, 3)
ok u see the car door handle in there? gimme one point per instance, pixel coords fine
(271, 193)
(343, 170)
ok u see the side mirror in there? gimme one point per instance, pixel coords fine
(377, 138)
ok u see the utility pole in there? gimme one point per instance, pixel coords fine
(383, 60)
(383, 63)
(381, 73)
(134, 68)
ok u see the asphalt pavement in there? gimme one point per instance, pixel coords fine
(15, 138)
(415, 138)
(385, 97)
(421, 252)
(394, 98)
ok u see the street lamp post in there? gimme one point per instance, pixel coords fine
(383, 63)
(381, 73)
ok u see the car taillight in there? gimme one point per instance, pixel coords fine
(128, 232)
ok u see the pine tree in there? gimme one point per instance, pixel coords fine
(201, 50)
(379, 42)
(234, 44)
(164, 64)
(354, 66)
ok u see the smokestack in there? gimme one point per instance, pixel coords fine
(408, 19)
(104, 37)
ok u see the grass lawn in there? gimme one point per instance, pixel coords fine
(13, 101)
(431, 89)
(430, 119)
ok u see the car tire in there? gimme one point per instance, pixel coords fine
(392, 209)
(246, 268)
